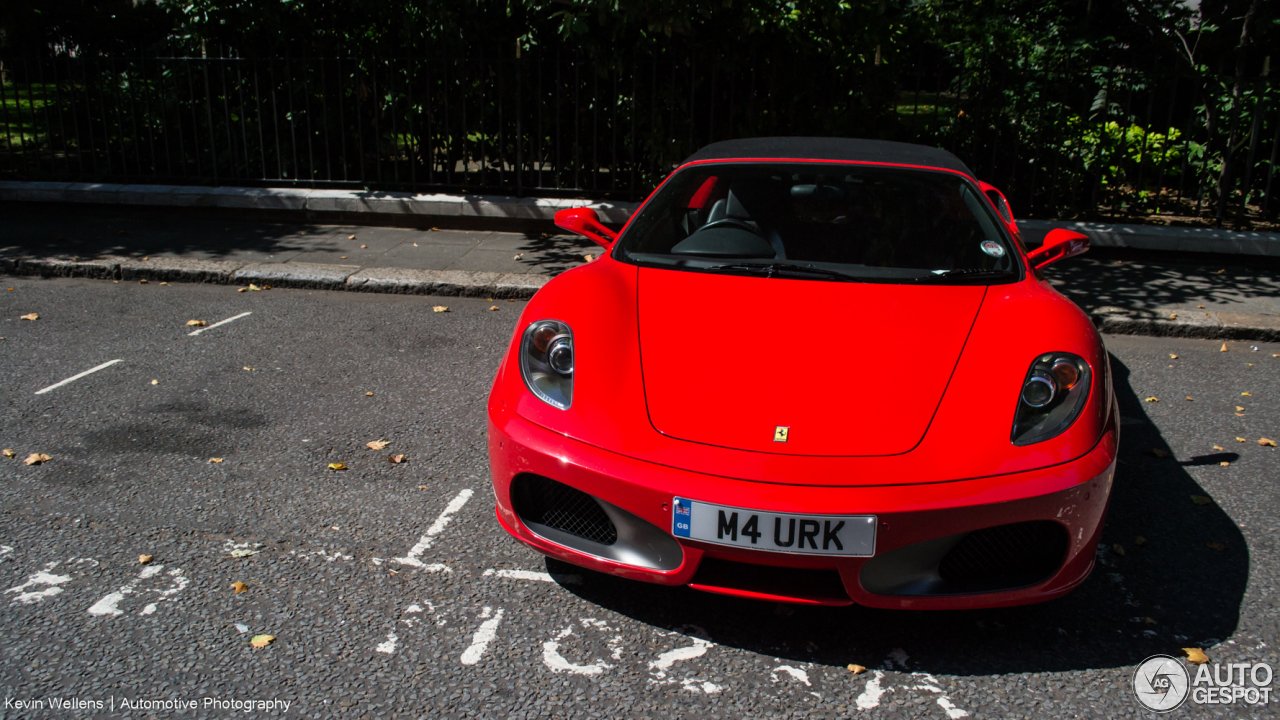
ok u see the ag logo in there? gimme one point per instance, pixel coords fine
(780, 433)
(1160, 683)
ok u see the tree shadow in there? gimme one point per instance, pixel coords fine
(1159, 585)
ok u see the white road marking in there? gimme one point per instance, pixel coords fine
(5, 550)
(109, 604)
(74, 378)
(701, 643)
(180, 581)
(794, 672)
(484, 634)
(337, 555)
(556, 662)
(535, 576)
(944, 702)
(694, 685)
(870, 696)
(415, 552)
(44, 578)
(197, 331)
(952, 711)
(389, 646)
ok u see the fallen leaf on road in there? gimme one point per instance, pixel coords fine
(215, 460)
(1158, 452)
(1266, 442)
(1240, 439)
(1189, 397)
(196, 323)
(397, 459)
(363, 247)
(493, 307)
(351, 237)
(1200, 306)
(1196, 655)
(239, 587)
(155, 382)
(424, 487)
(9, 453)
(1153, 399)
(342, 257)
(440, 308)
(143, 281)
(435, 229)
(246, 367)
(1171, 355)
(1219, 546)
(37, 458)
(1224, 463)
(1173, 316)
(1201, 499)
(517, 256)
(1246, 394)
(30, 316)
(1139, 541)
(164, 283)
(1223, 348)
(254, 288)
(377, 444)
(1218, 447)
(1220, 271)
(1118, 549)
(368, 394)
(261, 641)
(243, 552)
(241, 289)
(337, 466)
(856, 669)
(1239, 409)
(1239, 414)
(144, 559)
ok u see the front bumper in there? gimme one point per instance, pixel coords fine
(914, 519)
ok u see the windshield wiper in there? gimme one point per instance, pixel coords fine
(771, 269)
(962, 273)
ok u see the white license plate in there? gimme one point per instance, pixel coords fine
(851, 535)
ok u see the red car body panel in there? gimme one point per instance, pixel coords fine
(681, 377)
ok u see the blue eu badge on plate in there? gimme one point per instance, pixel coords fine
(681, 517)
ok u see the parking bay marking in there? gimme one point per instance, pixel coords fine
(197, 331)
(534, 576)
(484, 635)
(73, 378)
(437, 527)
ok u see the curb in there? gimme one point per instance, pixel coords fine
(352, 278)
(291, 275)
(1210, 326)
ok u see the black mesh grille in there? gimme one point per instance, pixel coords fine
(546, 502)
(1005, 556)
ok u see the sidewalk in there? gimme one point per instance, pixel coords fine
(1124, 291)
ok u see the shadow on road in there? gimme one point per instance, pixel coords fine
(1169, 590)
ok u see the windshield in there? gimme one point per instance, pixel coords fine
(821, 221)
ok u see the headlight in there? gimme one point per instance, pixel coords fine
(546, 362)
(1052, 396)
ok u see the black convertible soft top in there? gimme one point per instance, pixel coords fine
(818, 148)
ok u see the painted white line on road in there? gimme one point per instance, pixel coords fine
(44, 578)
(484, 635)
(870, 697)
(74, 378)
(5, 550)
(109, 604)
(389, 646)
(556, 662)
(535, 576)
(197, 331)
(437, 527)
(795, 673)
(179, 582)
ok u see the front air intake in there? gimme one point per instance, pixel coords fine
(1005, 556)
(545, 502)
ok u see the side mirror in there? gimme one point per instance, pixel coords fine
(1059, 244)
(585, 222)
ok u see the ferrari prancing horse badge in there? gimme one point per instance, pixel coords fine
(780, 433)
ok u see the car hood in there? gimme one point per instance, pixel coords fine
(849, 369)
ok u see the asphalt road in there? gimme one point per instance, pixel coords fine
(391, 590)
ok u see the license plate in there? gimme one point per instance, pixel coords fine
(850, 535)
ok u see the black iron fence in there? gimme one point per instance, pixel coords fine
(1118, 143)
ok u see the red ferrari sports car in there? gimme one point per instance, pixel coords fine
(821, 371)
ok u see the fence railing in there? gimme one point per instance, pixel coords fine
(1119, 143)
